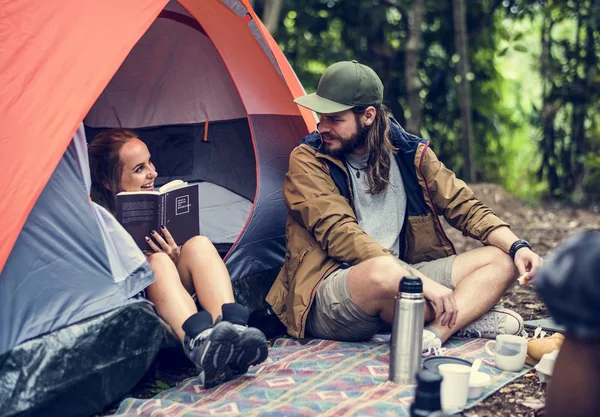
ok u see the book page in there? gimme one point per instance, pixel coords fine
(172, 185)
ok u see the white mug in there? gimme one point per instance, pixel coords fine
(509, 353)
(455, 386)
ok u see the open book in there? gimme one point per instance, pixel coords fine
(175, 205)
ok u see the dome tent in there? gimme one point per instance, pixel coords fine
(72, 337)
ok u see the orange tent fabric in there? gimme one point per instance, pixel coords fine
(55, 59)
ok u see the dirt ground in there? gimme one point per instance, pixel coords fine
(544, 225)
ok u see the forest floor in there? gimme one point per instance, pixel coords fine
(544, 225)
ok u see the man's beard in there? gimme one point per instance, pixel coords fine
(348, 145)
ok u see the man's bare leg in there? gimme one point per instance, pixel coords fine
(374, 284)
(480, 276)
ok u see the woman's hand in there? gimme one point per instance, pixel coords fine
(442, 300)
(167, 244)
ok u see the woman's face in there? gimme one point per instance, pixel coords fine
(138, 171)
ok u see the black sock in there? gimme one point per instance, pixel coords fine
(235, 313)
(197, 323)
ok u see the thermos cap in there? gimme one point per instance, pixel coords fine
(412, 285)
(429, 381)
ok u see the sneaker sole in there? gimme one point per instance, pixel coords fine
(252, 349)
(223, 342)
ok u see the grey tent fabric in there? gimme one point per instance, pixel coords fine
(184, 80)
(223, 213)
(70, 262)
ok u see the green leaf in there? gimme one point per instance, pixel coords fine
(503, 33)
(162, 385)
(503, 51)
(518, 37)
(520, 47)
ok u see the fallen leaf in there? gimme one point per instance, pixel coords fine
(533, 403)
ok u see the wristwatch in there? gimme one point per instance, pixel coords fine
(518, 244)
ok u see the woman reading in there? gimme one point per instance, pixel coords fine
(217, 339)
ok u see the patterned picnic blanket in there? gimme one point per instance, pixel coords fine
(318, 377)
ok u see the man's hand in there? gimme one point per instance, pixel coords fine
(442, 300)
(167, 245)
(528, 262)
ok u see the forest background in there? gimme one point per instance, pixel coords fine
(507, 91)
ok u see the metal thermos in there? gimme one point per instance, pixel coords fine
(407, 331)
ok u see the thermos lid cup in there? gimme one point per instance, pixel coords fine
(427, 394)
(412, 285)
(428, 381)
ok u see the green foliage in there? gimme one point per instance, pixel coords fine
(510, 89)
(159, 387)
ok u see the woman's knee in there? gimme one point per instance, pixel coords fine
(159, 260)
(198, 244)
(163, 267)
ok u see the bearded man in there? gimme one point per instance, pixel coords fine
(364, 199)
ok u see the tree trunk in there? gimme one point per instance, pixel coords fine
(578, 132)
(548, 112)
(411, 67)
(464, 88)
(271, 14)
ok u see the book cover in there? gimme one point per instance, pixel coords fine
(175, 205)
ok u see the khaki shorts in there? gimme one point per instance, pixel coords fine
(335, 316)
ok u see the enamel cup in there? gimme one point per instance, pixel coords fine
(509, 352)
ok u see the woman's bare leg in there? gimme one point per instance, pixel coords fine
(203, 272)
(173, 303)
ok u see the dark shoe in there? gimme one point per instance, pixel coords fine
(252, 349)
(212, 351)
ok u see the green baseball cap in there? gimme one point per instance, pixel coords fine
(344, 85)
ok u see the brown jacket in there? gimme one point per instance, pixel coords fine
(322, 231)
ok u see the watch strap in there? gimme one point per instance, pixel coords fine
(518, 244)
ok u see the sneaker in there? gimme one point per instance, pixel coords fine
(431, 344)
(496, 321)
(252, 349)
(211, 351)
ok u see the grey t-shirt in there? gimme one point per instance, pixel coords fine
(381, 216)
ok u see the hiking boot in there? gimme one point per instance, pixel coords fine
(431, 344)
(496, 321)
(211, 351)
(251, 349)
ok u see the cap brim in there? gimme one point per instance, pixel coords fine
(320, 104)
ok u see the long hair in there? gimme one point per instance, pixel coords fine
(379, 148)
(106, 166)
